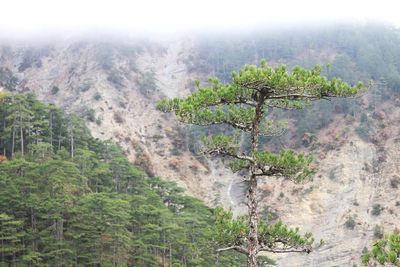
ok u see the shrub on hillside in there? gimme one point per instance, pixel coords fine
(350, 222)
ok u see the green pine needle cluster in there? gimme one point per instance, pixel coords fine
(287, 163)
(384, 251)
(277, 237)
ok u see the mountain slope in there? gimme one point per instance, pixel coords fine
(115, 84)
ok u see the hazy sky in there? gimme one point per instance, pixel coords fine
(174, 15)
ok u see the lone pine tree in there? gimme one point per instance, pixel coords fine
(244, 104)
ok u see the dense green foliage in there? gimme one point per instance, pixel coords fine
(67, 199)
(384, 251)
(275, 237)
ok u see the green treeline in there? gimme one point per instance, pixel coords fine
(67, 199)
(355, 52)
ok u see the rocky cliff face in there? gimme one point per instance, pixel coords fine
(338, 205)
(116, 84)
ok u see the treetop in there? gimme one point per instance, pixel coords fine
(278, 86)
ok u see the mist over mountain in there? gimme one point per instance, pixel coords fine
(113, 80)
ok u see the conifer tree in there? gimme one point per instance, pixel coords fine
(10, 238)
(21, 116)
(244, 105)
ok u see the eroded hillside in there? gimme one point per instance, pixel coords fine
(115, 86)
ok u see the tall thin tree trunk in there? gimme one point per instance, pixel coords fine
(34, 231)
(170, 255)
(114, 263)
(253, 245)
(51, 128)
(60, 237)
(163, 260)
(13, 142)
(14, 260)
(72, 144)
(59, 142)
(253, 219)
(3, 141)
(22, 140)
(2, 251)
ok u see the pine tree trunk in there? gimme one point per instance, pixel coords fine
(14, 260)
(51, 128)
(59, 142)
(2, 251)
(34, 232)
(252, 191)
(72, 145)
(170, 255)
(60, 237)
(253, 219)
(114, 262)
(3, 141)
(22, 140)
(163, 260)
(13, 142)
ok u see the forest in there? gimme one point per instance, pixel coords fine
(68, 199)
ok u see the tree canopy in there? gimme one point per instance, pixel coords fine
(79, 202)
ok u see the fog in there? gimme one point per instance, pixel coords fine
(50, 17)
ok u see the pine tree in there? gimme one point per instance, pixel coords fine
(20, 115)
(243, 104)
(11, 235)
(4, 100)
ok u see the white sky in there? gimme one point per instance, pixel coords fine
(175, 15)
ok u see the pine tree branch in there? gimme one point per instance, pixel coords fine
(281, 107)
(239, 126)
(299, 96)
(222, 101)
(224, 152)
(239, 100)
(237, 248)
(269, 172)
(307, 250)
(257, 85)
(293, 96)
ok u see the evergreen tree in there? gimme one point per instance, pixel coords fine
(11, 236)
(20, 116)
(243, 104)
